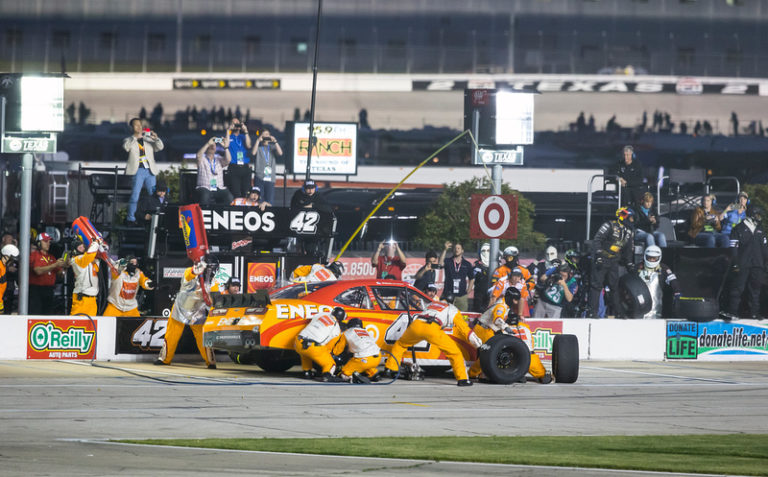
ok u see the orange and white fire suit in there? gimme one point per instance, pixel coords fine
(189, 308)
(366, 354)
(316, 341)
(429, 326)
(121, 300)
(312, 273)
(3, 284)
(526, 287)
(86, 270)
(493, 321)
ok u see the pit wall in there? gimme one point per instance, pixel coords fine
(139, 339)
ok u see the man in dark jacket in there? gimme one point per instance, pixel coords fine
(751, 260)
(631, 177)
(308, 198)
(613, 243)
(153, 204)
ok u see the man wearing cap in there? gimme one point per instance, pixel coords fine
(141, 147)
(210, 174)
(232, 286)
(735, 213)
(253, 199)
(42, 280)
(153, 204)
(265, 152)
(308, 198)
(432, 291)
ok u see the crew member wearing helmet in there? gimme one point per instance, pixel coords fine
(657, 277)
(190, 308)
(85, 267)
(8, 255)
(317, 273)
(232, 287)
(507, 275)
(366, 354)
(42, 277)
(430, 325)
(502, 318)
(750, 264)
(126, 280)
(316, 341)
(613, 243)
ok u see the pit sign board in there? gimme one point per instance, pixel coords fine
(507, 157)
(26, 142)
(493, 216)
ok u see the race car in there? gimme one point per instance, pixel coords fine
(261, 327)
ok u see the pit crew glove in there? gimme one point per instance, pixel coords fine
(199, 267)
(474, 340)
(94, 246)
(149, 285)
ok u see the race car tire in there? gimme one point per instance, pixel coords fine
(276, 360)
(634, 296)
(565, 358)
(241, 358)
(697, 309)
(504, 359)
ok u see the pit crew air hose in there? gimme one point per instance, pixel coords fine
(216, 381)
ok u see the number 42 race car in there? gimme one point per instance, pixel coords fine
(261, 328)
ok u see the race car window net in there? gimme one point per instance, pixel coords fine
(354, 297)
(390, 298)
(300, 290)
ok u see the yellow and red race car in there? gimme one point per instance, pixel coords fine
(260, 328)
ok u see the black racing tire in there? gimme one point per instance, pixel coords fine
(276, 360)
(241, 358)
(698, 309)
(505, 359)
(634, 296)
(565, 358)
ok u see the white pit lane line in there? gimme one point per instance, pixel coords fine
(664, 375)
(553, 469)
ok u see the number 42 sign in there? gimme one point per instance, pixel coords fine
(493, 216)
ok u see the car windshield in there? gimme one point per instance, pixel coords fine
(300, 290)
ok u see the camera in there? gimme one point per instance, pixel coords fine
(437, 267)
(218, 140)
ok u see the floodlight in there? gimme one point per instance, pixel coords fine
(42, 103)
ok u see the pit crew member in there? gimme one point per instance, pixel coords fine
(85, 267)
(657, 276)
(366, 354)
(315, 342)
(613, 243)
(749, 266)
(8, 255)
(317, 272)
(126, 280)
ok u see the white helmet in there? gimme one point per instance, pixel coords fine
(550, 254)
(652, 257)
(10, 250)
(511, 251)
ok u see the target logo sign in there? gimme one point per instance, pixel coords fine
(493, 216)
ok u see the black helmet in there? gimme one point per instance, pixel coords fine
(449, 297)
(337, 268)
(339, 313)
(755, 212)
(355, 323)
(76, 242)
(510, 295)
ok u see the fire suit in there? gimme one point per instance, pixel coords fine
(86, 270)
(188, 309)
(121, 300)
(366, 354)
(613, 242)
(429, 326)
(316, 341)
(494, 321)
(312, 273)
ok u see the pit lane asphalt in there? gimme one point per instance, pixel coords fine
(56, 417)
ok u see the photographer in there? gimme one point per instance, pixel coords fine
(239, 170)
(210, 173)
(558, 286)
(391, 264)
(426, 274)
(265, 151)
(141, 146)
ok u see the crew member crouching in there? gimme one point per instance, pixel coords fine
(366, 354)
(315, 342)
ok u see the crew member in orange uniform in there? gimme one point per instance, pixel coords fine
(315, 342)
(366, 354)
(126, 281)
(8, 254)
(85, 266)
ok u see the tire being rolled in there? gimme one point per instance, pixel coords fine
(565, 358)
(634, 296)
(504, 359)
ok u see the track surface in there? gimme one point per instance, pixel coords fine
(55, 416)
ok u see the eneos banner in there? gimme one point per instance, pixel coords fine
(61, 339)
(261, 275)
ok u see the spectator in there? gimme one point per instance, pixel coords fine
(558, 287)
(426, 273)
(705, 228)
(750, 264)
(613, 243)
(459, 278)
(253, 199)
(647, 223)
(631, 178)
(210, 174)
(42, 279)
(480, 272)
(141, 147)
(8, 255)
(735, 213)
(265, 152)
(308, 198)
(153, 204)
(85, 267)
(239, 170)
(126, 280)
(735, 123)
(391, 264)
